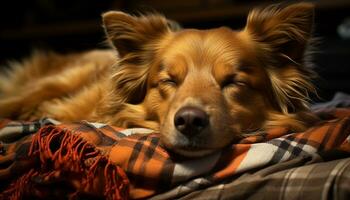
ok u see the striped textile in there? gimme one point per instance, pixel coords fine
(299, 178)
(153, 172)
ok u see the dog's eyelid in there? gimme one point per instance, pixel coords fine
(229, 80)
(169, 80)
(241, 83)
(233, 80)
(245, 67)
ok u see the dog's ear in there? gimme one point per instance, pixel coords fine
(136, 39)
(130, 34)
(285, 31)
(283, 35)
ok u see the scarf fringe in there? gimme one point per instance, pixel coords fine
(61, 151)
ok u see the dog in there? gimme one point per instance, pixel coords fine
(200, 89)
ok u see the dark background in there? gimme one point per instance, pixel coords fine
(67, 26)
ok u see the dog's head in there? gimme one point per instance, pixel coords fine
(205, 88)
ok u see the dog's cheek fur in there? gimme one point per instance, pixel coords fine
(247, 107)
(156, 106)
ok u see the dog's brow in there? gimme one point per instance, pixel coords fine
(244, 66)
(162, 66)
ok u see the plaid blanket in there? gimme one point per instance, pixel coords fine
(294, 179)
(45, 159)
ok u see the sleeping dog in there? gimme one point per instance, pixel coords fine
(201, 89)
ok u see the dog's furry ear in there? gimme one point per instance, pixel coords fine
(284, 30)
(284, 34)
(130, 34)
(136, 39)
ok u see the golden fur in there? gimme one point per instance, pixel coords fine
(247, 80)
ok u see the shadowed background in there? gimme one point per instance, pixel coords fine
(69, 26)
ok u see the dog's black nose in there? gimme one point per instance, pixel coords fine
(191, 120)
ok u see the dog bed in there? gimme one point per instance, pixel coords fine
(83, 160)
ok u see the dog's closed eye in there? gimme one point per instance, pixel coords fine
(168, 81)
(232, 81)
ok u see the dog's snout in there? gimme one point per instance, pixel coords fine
(191, 120)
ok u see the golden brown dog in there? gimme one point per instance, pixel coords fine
(201, 89)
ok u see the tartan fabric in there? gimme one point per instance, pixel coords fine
(152, 171)
(294, 179)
